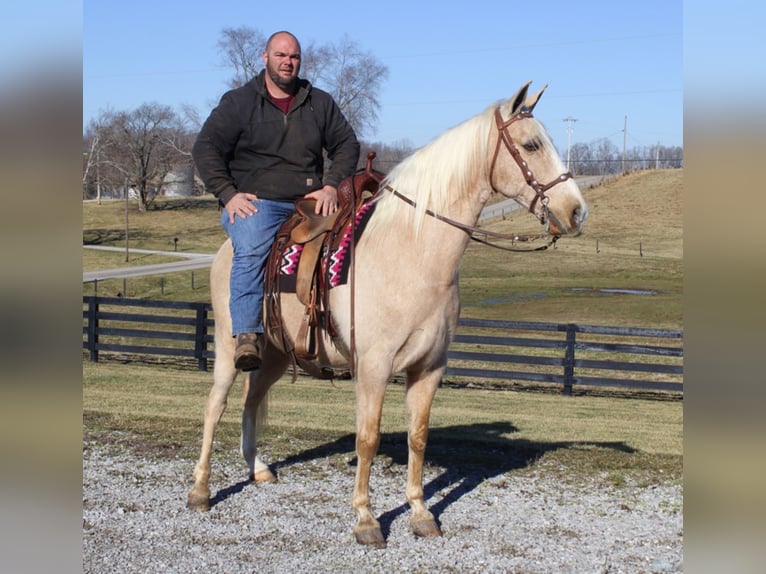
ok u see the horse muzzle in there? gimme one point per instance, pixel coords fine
(568, 220)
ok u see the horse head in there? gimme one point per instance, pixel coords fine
(525, 166)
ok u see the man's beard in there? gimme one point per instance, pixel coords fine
(286, 85)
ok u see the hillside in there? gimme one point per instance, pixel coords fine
(643, 207)
(632, 244)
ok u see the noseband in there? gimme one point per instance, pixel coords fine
(503, 136)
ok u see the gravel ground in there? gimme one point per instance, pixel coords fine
(135, 520)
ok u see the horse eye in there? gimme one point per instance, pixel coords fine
(531, 146)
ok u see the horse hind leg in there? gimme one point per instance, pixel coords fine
(255, 411)
(224, 375)
(421, 388)
(370, 391)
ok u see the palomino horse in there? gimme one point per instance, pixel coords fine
(405, 300)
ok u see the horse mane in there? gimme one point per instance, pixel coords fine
(435, 175)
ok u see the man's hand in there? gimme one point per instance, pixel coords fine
(241, 204)
(326, 200)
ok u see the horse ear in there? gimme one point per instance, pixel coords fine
(518, 100)
(531, 101)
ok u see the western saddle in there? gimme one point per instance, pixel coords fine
(319, 236)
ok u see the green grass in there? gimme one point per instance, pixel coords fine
(194, 221)
(158, 410)
(633, 239)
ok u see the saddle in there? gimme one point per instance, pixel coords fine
(315, 236)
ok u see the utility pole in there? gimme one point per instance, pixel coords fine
(127, 252)
(98, 175)
(570, 128)
(624, 143)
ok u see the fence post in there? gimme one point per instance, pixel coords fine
(569, 359)
(93, 328)
(200, 346)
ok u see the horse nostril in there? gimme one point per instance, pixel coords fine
(579, 214)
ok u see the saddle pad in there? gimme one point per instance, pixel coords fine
(338, 261)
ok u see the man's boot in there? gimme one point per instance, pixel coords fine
(247, 355)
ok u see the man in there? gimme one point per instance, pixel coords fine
(259, 150)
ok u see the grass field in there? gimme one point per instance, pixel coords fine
(627, 269)
(633, 243)
(158, 410)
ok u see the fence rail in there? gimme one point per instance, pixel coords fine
(127, 332)
(568, 354)
(546, 353)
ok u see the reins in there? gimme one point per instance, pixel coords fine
(504, 137)
(473, 231)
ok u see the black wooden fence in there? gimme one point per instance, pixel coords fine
(505, 351)
(179, 329)
(568, 354)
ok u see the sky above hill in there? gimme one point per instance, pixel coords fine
(603, 62)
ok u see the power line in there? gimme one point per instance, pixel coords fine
(516, 47)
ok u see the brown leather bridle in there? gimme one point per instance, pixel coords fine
(504, 137)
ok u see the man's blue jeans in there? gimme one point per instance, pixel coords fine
(252, 238)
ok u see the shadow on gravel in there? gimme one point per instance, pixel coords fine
(225, 493)
(468, 455)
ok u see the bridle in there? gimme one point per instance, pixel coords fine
(504, 137)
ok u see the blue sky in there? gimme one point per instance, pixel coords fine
(603, 61)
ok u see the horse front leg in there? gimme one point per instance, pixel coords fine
(421, 388)
(223, 378)
(370, 391)
(255, 411)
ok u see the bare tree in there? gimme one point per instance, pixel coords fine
(190, 117)
(91, 163)
(355, 79)
(601, 157)
(136, 150)
(98, 176)
(314, 62)
(581, 159)
(241, 49)
(606, 154)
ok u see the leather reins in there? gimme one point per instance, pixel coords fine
(504, 137)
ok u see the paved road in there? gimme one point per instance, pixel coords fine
(191, 261)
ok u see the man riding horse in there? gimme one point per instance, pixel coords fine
(259, 150)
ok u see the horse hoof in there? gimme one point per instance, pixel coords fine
(426, 529)
(199, 502)
(264, 476)
(370, 537)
